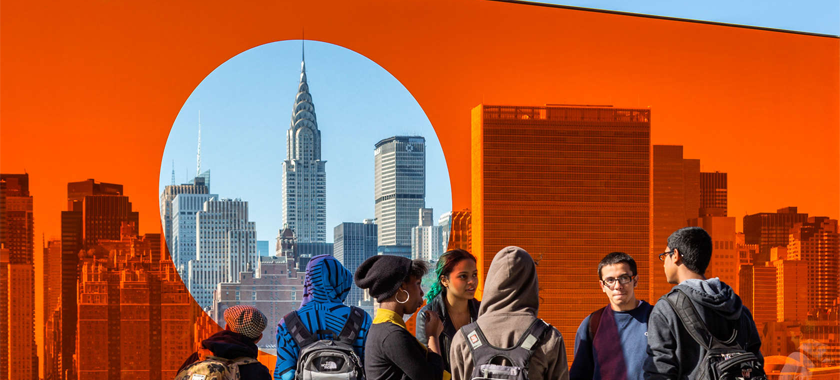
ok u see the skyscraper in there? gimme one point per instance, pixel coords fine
(426, 238)
(182, 234)
(569, 184)
(771, 229)
(399, 190)
(354, 243)
(725, 261)
(676, 200)
(713, 196)
(816, 243)
(17, 240)
(52, 291)
(134, 313)
(199, 186)
(304, 189)
(226, 244)
(95, 212)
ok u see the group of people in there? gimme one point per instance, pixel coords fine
(698, 330)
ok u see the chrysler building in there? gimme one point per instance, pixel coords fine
(304, 174)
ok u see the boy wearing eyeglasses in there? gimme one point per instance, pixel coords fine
(610, 343)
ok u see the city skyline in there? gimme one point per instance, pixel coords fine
(247, 163)
(76, 116)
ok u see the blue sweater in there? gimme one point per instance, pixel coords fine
(632, 328)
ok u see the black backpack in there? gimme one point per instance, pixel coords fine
(490, 362)
(723, 360)
(327, 358)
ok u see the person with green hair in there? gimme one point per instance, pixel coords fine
(451, 297)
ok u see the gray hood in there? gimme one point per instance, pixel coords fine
(511, 285)
(713, 295)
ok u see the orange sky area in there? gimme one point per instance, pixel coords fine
(91, 89)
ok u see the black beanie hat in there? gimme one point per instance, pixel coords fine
(382, 275)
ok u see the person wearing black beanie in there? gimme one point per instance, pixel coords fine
(391, 352)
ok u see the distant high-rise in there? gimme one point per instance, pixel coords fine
(713, 194)
(355, 243)
(725, 259)
(399, 190)
(569, 184)
(95, 212)
(134, 314)
(262, 248)
(200, 185)
(52, 292)
(768, 230)
(676, 200)
(226, 244)
(426, 238)
(18, 352)
(182, 234)
(304, 189)
(791, 290)
(758, 292)
(816, 243)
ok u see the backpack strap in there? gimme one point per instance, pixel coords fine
(298, 331)
(594, 322)
(353, 326)
(533, 335)
(519, 355)
(695, 326)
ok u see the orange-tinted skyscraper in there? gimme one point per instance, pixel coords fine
(770, 230)
(791, 290)
(758, 292)
(676, 200)
(134, 314)
(18, 353)
(95, 212)
(713, 194)
(816, 243)
(461, 235)
(725, 259)
(52, 294)
(569, 184)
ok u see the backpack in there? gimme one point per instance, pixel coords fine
(490, 362)
(327, 358)
(723, 360)
(214, 368)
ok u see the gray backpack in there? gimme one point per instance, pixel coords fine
(490, 362)
(327, 359)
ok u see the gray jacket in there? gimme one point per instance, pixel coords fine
(672, 353)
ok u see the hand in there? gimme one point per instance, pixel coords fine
(434, 326)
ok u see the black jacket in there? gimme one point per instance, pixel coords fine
(672, 353)
(438, 305)
(230, 345)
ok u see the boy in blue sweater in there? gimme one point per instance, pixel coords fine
(611, 342)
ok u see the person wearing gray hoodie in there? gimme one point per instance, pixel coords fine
(672, 353)
(509, 306)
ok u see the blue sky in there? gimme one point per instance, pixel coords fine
(246, 106)
(813, 16)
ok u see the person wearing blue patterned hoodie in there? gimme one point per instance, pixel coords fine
(325, 288)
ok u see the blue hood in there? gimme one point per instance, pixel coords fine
(327, 281)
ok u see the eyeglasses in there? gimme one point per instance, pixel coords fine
(662, 255)
(622, 280)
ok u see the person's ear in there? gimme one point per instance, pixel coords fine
(257, 339)
(444, 281)
(677, 257)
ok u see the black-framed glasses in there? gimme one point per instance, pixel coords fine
(662, 255)
(623, 280)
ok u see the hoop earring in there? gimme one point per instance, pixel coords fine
(408, 296)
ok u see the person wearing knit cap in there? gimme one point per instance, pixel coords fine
(392, 353)
(244, 327)
(325, 287)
